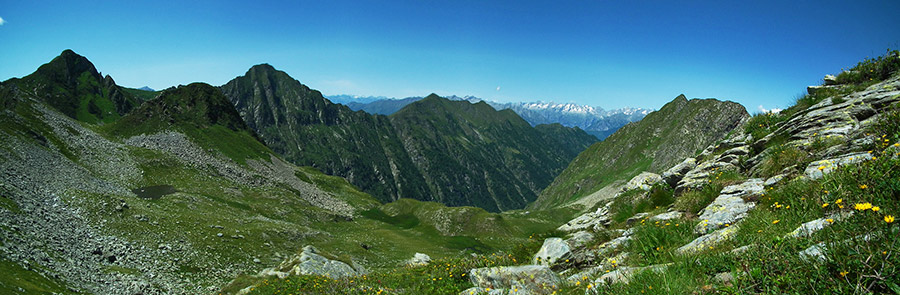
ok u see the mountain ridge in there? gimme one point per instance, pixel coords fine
(594, 120)
(385, 158)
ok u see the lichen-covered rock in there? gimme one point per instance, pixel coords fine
(419, 259)
(603, 265)
(818, 169)
(591, 220)
(309, 262)
(579, 239)
(643, 181)
(624, 274)
(729, 207)
(699, 176)
(667, 216)
(553, 250)
(815, 253)
(708, 241)
(523, 279)
(677, 172)
(809, 228)
(612, 245)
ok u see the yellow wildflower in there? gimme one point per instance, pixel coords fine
(863, 186)
(889, 218)
(844, 273)
(838, 201)
(824, 205)
(830, 220)
(862, 206)
(775, 221)
(876, 208)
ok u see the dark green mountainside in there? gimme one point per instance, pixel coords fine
(307, 129)
(492, 158)
(72, 85)
(662, 139)
(434, 150)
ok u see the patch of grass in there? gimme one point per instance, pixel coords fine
(405, 221)
(442, 276)
(695, 200)
(654, 242)
(763, 124)
(18, 280)
(780, 157)
(886, 130)
(872, 70)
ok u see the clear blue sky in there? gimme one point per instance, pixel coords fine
(604, 53)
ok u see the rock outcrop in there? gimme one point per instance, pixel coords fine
(525, 279)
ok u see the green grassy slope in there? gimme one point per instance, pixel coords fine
(662, 139)
(72, 85)
(471, 154)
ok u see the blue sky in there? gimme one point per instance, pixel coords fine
(604, 53)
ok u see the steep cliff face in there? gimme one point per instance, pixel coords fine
(454, 152)
(680, 129)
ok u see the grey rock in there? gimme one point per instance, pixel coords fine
(677, 172)
(623, 274)
(725, 278)
(552, 251)
(708, 241)
(592, 220)
(729, 207)
(830, 80)
(526, 279)
(815, 253)
(643, 181)
(818, 169)
(636, 218)
(419, 259)
(667, 216)
(579, 239)
(809, 228)
(613, 245)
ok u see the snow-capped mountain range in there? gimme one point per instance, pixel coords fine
(594, 120)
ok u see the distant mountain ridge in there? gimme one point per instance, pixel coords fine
(593, 120)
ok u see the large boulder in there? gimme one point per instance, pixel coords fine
(419, 259)
(643, 181)
(729, 207)
(591, 220)
(553, 251)
(310, 262)
(523, 279)
(677, 172)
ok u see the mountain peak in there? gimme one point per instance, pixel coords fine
(199, 105)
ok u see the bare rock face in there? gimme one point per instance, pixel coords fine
(729, 207)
